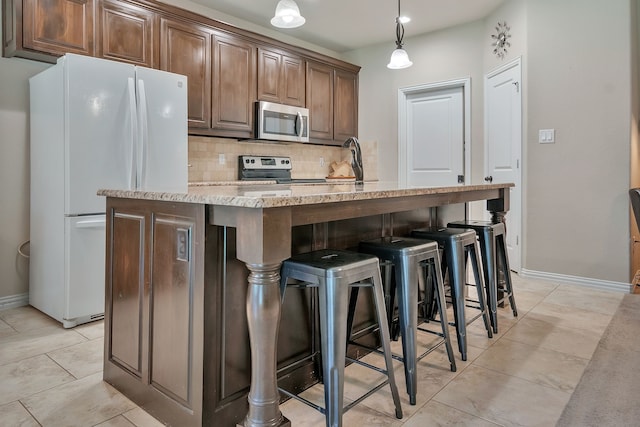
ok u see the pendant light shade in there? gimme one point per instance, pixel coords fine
(287, 15)
(399, 57)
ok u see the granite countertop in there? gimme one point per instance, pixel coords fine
(276, 195)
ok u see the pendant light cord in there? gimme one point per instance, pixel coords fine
(399, 29)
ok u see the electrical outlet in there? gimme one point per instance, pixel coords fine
(182, 244)
(221, 159)
(321, 162)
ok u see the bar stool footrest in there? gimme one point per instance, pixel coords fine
(303, 400)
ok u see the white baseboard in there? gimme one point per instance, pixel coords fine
(605, 285)
(14, 301)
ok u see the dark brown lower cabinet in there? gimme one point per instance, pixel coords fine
(176, 333)
(154, 307)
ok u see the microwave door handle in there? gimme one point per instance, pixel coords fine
(301, 126)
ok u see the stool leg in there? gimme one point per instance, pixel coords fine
(442, 309)
(475, 262)
(333, 319)
(428, 300)
(407, 288)
(353, 302)
(455, 264)
(502, 253)
(385, 338)
(489, 262)
(390, 283)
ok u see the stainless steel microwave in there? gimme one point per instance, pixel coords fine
(279, 122)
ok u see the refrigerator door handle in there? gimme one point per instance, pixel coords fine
(144, 134)
(132, 158)
(91, 223)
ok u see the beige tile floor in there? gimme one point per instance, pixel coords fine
(524, 376)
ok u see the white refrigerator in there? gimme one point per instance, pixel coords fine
(94, 124)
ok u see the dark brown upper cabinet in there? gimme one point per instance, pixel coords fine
(320, 100)
(44, 29)
(345, 105)
(281, 78)
(332, 100)
(127, 33)
(185, 48)
(234, 85)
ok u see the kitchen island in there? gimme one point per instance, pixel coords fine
(179, 315)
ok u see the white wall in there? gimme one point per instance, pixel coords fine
(14, 172)
(579, 81)
(634, 158)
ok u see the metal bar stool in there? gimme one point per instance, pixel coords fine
(333, 273)
(458, 246)
(494, 261)
(409, 257)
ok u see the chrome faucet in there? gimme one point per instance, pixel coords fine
(356, 158)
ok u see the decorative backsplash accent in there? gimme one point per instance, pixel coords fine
(205, 154)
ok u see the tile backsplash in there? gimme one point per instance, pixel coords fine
(216, 159)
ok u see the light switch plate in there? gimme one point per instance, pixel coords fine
(547, 136)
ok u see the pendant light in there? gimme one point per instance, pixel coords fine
(399, 57)
(287, 15)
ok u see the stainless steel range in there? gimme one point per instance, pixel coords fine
(269, 168)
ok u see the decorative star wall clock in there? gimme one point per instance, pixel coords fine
(501, 39)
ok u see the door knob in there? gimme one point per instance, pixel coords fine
(488, 178)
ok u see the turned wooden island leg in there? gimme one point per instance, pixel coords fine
(263, 241)
(263, 315)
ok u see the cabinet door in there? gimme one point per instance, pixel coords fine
(269, 67)
(234, 86)
(186, 49)
(172, 305)
(345, 117)
(127, 33)
(293, 81)
(320, 100)
(281, 78)
(59, 26)
(125, 311)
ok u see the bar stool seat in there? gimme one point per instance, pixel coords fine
(494, 260)
(334, 273)
(409, 257)
(459, 245)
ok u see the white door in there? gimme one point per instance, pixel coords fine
(503, 136)
(84, 266)
(434, 126)
(98, 131)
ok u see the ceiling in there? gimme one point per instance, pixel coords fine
(343, 25)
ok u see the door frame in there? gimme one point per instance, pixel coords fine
(517, 62)
(404, 93)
